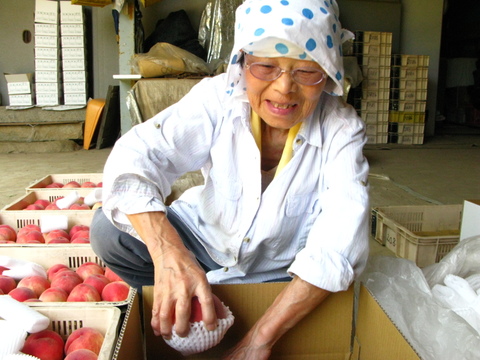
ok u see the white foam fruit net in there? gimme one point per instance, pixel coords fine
(200, 339)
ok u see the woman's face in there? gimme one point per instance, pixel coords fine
(282, 103)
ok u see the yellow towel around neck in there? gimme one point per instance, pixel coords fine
(287, 150)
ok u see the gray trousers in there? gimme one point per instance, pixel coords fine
(129, 258)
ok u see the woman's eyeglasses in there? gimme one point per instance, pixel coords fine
(302, 75)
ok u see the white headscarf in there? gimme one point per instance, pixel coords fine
(300, 29)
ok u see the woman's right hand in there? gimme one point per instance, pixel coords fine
(178, 277)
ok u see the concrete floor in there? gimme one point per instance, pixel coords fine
(444, 170)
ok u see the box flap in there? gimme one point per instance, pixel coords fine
(470, 219)
(378, 337)
(325, 334)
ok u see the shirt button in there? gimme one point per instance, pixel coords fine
(225, 269)
(157, 125)
(299, 141)
(246, 240)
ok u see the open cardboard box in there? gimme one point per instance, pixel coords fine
(328, 333)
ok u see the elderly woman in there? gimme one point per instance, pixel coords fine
(285, 193)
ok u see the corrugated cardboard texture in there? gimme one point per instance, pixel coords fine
(324, 335)
(378, 337)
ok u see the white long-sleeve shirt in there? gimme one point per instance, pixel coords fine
(312, 219)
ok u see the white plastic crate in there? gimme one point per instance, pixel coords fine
(50, 195)
(421, 233)
(70, 255)
(64, 179)
(106, 319)
(18, 219)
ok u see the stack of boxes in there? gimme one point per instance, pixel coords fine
(20, 89)
(47, 54)
(408, 99)
(73, 40)
(371, 99)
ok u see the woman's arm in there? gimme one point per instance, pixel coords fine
(178, 276)
(295, 302)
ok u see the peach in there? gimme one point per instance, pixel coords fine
(79, 207)
(56, 233)
(196, 309)
(28, 228)
(66, 280)
(52, 206)
(98, 281)
(52, 270)
(45, 345)
(88, 184)
(111, 275)
(84, 293)
(7, 233)
(53, 295)
(78, 227)
(100, 184)
(30, 237)
(7, 283)
(80, 233)
(115, 291)
(80, 240)
(54, 185)
(89, 268)
(42, 202)
(37, 283)
(22, 293)
(72, 184)
(59, 240)
(34, 207)
(81, 354)
(85, 337)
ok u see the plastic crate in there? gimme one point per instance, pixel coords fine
(423, 234)
(38, 185)
(50, 195)
(18, 219)
(106, 319)
(70, 255)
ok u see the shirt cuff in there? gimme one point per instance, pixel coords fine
(327, 270)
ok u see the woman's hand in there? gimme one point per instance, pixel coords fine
(178, 277)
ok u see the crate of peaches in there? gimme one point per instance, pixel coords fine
(66, 181)
(88, 333)
(60, 276)
(64, 200)
(30, 228)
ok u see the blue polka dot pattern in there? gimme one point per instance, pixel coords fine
(306, 30)
(282, 48)
(266, 9)
(307, 13)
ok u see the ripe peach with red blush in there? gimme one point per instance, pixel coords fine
(196, 309)
(78, 227)
(84, 293)
(30, 237)
(89, 268)
(28, 228)
(37, 283)
(34, 207)
(72, 184)
(52, 270)
(84, 338)
(53, 295)
(22, 294)
(66, 280)
(98, 281)
(42, 202)
(7, 283)
(56, 233)
(45, 345)
(54, 185)
(81, 354)
(7, 233)
(115, 291)
(111, 275)
(80, 234)
(89, 184)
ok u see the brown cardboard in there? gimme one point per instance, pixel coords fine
(325, 335)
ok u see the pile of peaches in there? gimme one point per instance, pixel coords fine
(43, 204)
(84, 343)
(90, 282)
(32, 234)
(73, 185)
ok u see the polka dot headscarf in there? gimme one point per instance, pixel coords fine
(300, 29)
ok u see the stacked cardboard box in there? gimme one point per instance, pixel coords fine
(20, 89)
(48, 70)
(373, 51)
(408, 99)
(72, 30)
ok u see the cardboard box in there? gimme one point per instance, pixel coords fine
(48, 99)
(326, 334)
(74, 64)
(470, 219)
(72, 29)
(47, 65)
(73, 41)
(74, 75)
(47, 41)
(46, 29)
(48, 76)
(75, 87)
(47, 53)
(50, 88)
(73, 53)
(76, 99)
(21, 100)
(19, 83)
(46, 11)
(70, 13)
